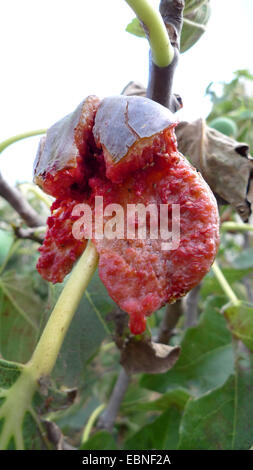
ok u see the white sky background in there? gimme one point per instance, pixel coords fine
(56, 52)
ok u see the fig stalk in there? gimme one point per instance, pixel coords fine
(225, 285)
(48, 347)
(154, 27)
(16, 138)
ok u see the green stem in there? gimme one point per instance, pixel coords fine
(16, 138)
(161, 48)
(91, 421)
(238, 227)
(225, 285)
(48, 347)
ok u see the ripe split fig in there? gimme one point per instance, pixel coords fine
(124, 150)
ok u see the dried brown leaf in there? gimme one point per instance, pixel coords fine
(134, 89)
(146, 356)
(224, 163)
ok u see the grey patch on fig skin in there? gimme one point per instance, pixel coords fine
(57, 150)
(123, 120)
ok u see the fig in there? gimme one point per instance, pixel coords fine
(123, 150)
(224, 125)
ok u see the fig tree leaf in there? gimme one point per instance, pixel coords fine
(178, 398)
(235, 101)
(160, 433)
(85, 335)
(9, 374)
(240, 321)
(242, 115)
(74, 418)
(244, 73)
(20, 311)
(6, 240)
(222, 418)
(244, 260)
(102, 440)
(210, 285)
(20, 427)
(206, 359)
(135, 28)
(196, 16)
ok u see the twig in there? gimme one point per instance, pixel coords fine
(55, 436)
(16, 199)
(169, 321)
(108, 418)
(191, 313)
(161, 78)
(32, 233)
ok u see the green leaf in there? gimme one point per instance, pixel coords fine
(206, 358)
(196, 16)
(6, 240)
(211, 286)
(160, 433)
(221, 419)
(178, 398)
(73, 418)
(102, 440)
(244, 260)
(244, 73)
(9, 374)
(244, 114)
(240, 320)
(236, 102)
(85, 335)
(135, 28)
(20, 311)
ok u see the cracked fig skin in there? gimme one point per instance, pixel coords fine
(124, 149)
